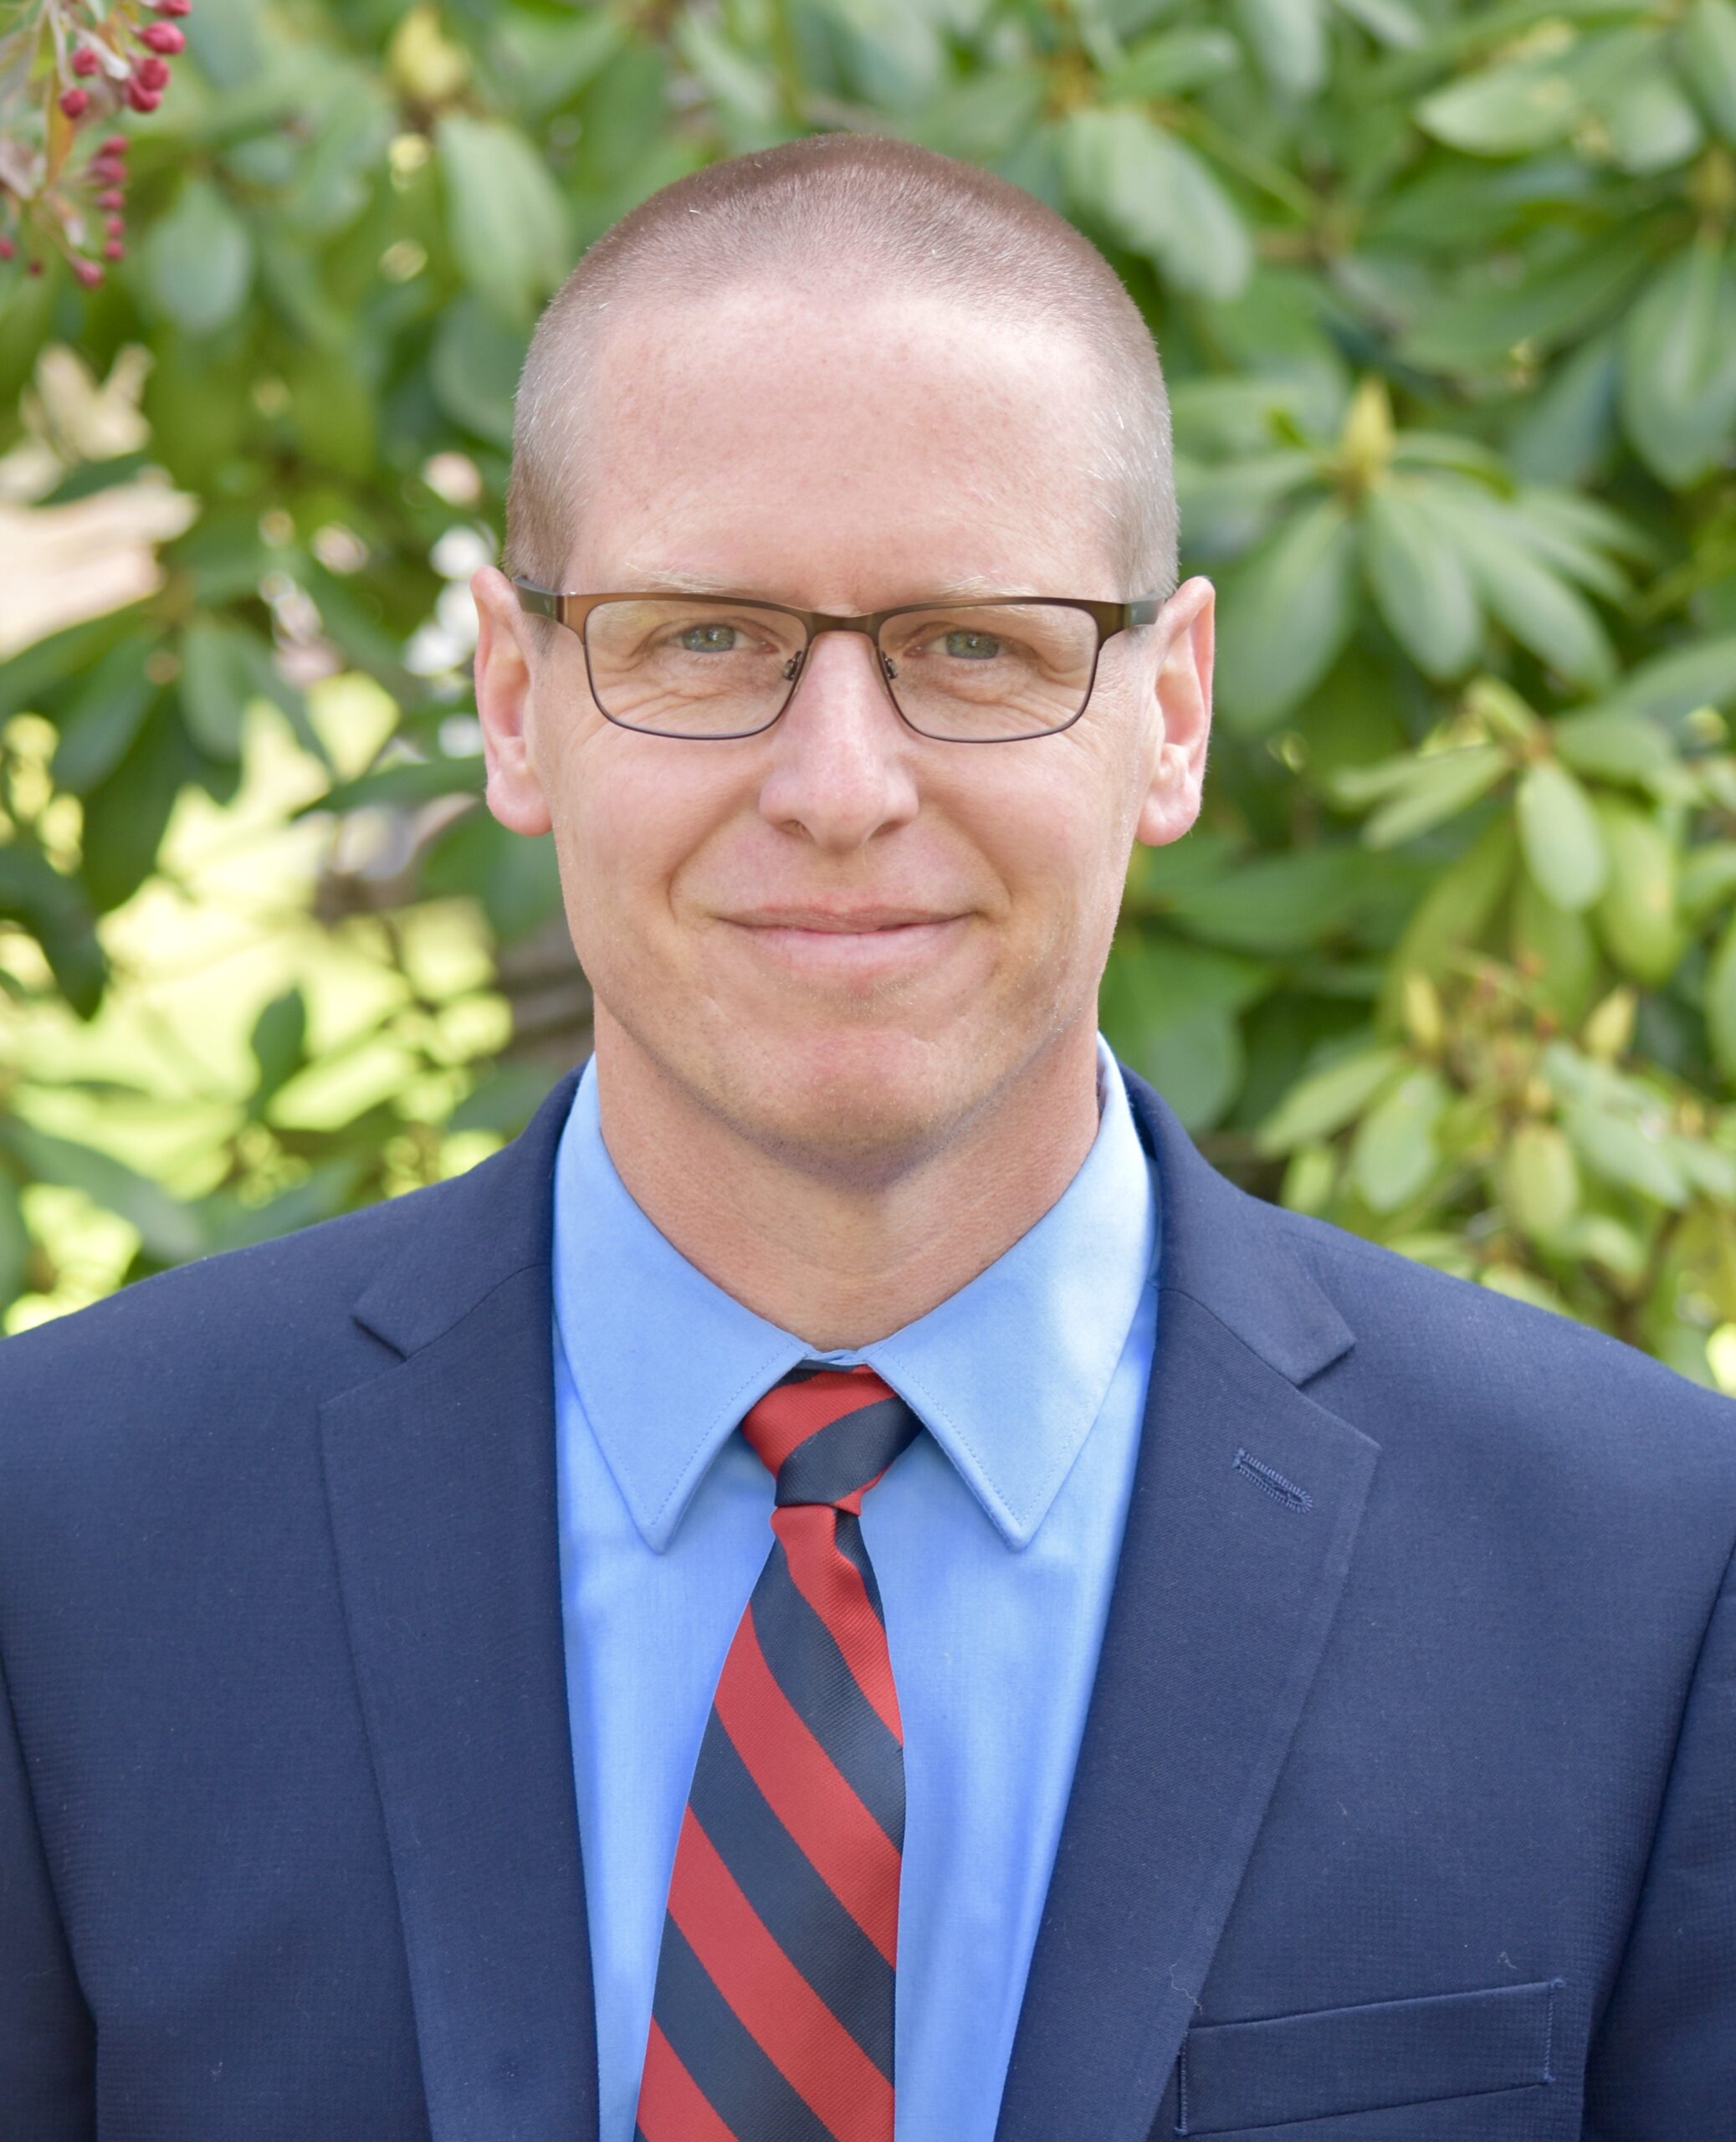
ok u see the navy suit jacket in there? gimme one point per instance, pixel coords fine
(1406, 1810)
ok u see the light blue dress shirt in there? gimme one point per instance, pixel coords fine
(994, 1537)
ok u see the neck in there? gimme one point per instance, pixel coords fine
(838, 1264)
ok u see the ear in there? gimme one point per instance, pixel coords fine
(505, 657)
(1184, 705)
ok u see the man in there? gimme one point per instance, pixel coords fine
(846, 1584)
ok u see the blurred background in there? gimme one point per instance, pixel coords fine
(1447, 297)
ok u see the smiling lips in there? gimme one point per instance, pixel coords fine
(847, 941)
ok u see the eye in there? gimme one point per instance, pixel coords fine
(971, 647)
(708, 639)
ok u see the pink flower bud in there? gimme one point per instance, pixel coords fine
(111, 197)
(75, 103)
(162, 37)
(88, 272)
(152, 73)
(112, 145)
(114, 225)
(173, 7)
(7, 248)
(141, 98)
(114, 250)
(84, 61)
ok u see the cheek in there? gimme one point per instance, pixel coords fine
(627, 823)
(1059, 845)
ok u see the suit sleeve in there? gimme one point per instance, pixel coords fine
(46, 2038)
(1664, 2065)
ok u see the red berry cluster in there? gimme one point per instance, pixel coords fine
(115, 59)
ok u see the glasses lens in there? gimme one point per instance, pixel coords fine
(971, 674)
(691, 666)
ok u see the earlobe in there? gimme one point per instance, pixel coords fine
(504, 705)
(1183, 689)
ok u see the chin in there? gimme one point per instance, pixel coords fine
(862, 1104)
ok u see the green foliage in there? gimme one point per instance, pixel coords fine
(1446, 292)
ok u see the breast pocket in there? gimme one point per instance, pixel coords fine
(1232, 2078)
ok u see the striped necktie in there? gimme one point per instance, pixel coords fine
(772, 2020)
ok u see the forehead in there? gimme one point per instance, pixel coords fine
(841, 450)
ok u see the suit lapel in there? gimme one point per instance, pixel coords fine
(440, 1476)
(1247, 1499)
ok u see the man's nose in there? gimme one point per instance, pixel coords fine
(842, 767)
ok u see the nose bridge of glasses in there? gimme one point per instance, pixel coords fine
(819, 623)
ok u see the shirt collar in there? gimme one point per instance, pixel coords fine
(1008, 1375)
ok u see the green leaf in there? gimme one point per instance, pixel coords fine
(169, 1232)
(1678, 376)
(1438, 787)
(127, 813)
(1284, 614)
(14, 1244)
(1665, 689)
(1289, 40)
(1452, 914)
(1706, 56)
(1226, 507)
(549, 59)
(1278, 904)
(1534, 602)
(58, 913)
(1161, 980)
(331, 403)
(1422, 584)
(1610, 745)
(1625, 1152)
(503, 1100)
(410, 781)
(1708, 1168)
(1174, 63)
(1393, 1153)
(1555, 951)
(474, 369)
(1708, 880)
(1651, 125)
(1393, 22)
(507, 221)
(1519, 1285)
(1559, 837)
(1478, 323)
(1637, 916)
(1196, 1064)
(198, 261)
(1505, 109)
(279, 1043)
(1326, 1101)
(98, 728)
(218, 677)
(1157, 196)
(747, 92)
(1564, 433)
(1721, 1002)
(981, 119)
(1581, 538)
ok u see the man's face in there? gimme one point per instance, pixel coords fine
(840, 938)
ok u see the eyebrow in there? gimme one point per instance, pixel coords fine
(973, 586)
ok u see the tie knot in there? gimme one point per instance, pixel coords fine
(828, 1434)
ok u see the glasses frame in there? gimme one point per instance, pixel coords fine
(573, 610)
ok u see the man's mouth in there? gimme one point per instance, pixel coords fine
(847, 940)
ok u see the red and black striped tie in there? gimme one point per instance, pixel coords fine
(772, 2020)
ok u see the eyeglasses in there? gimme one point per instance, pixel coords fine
(714, 666)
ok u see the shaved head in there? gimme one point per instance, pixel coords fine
(832, 214)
